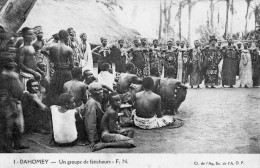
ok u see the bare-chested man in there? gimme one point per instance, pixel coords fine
(154, 72)
(75, 87)
(61, 56)
(171, 100)
(113, 136)
(11, 115)
(125, 81)
(27, 59)
(148, 114)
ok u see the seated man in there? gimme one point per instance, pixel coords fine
(125, 83)
(148, 113)
(64, 121)
(112, 135)
(172, 92)
(105, 77)
(154, 72)
(92, 114)
(75, 87)
(35, 112)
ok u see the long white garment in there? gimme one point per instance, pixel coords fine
(180, 66)
(87, 62)
(64, 125)
(245, 67)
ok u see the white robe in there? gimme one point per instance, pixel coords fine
(87, 62)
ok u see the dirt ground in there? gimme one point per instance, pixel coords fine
(222, 120)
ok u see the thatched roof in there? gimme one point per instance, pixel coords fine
(84, 16)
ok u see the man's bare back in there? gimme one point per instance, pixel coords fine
(60, 54)
(156, 81)
(168, 86)
(148, 104)
(124, 82)
(77, 89)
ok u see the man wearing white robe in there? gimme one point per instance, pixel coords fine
(87, 61)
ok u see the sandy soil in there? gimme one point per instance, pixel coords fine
(219, 120)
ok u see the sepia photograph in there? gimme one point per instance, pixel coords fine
(129, 76)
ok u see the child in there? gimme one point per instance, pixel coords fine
(112, 135)
(64, 121)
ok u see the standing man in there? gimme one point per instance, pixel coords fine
(137, 58)
(61, 56)
(213, 56)
(87, 61)
(119, 56)
(182, 63)
(170, 57)
(27, 59)
(196, 62)
(103, 52)
(74, 44)
(146, 55)
(156, 57)
(11, 114)
(229, 65)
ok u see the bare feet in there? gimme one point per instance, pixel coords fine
(98, 146)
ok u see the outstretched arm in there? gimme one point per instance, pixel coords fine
(182, 85)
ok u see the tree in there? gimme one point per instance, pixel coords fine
(247, 10)
(256, 13)
(160, 23)
(12, 16)
(190, 5)
(212, 8)
(232, 10)
(2, 3)
(226, 24)
(179, 15)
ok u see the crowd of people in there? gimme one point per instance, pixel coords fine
(84, 95)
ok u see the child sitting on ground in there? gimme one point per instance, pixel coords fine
(64, 121)
(112, 135)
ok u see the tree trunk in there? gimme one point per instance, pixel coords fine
(180, 8)
(13, 15)
(190, 7)
(2, 3)
(160, 24)
(169, 19)
(232, 14)
(226, 25)
(165, 18)
(211, 15)
(246, 17)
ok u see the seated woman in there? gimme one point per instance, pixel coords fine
(64, 121)
(148, 114)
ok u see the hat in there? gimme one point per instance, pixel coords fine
(82, 34)
(121, 40)
(212, 38)
(102, 39)
(155, 40)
